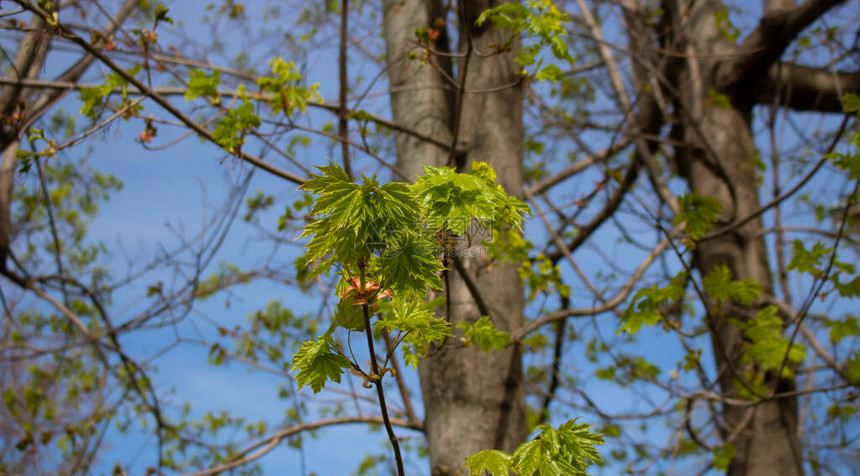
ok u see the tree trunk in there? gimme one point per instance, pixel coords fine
(17, 112)
(13, 113)
(717, 160)
(421, 100)
(472, 400)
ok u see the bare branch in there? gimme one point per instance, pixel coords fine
(808, 89)
(766, 44)
(579, 166)
(268, 444)
(608, 305)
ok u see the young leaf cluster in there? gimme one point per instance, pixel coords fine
(484, 334)
(719, 284)
(645, 309)
(230, 131)
(284, 85)
(767, 346)
(698, 213)
(316, 364)
(539, 20)
(382, 239)
(415, 324)
(201, 84)
(568, 450)
(454, 199)
(95, 97)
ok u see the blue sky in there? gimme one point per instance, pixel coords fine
(174, 189)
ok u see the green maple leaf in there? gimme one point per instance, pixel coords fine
(850, 289)
(568, 450)
(840, 329)
(455, 199)
(767, 346)
(201, 84)
(645, 309)
(495, 462)
(316, 364)
(415, 321)
(719, 285)
(698, 212)
(356, 222)
(807, 261)
(485, 334)
(349, 316)
(411, 267)
(527, 458)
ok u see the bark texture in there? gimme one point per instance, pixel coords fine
(13, 114)
(717, 160)
(420, 98)
(473, 400)
(18, 110)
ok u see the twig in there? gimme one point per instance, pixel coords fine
(377, 381)
(269, 443)
(343, 124)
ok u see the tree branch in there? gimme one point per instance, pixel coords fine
(579, 166)
(808, 89)
(628, 287)
(765, 45)
(269, 443)
(162, 101)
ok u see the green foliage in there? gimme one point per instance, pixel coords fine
(807, 261)
(412, 266)
(542, 275)
(725, 25)
(415, 324)
(849, 162)
(646, 306)
(698, 213)
(349, 316)
(767, 346)
(383, 240)
(851, 103)
(316, 364)
(840, 329)
(484, 334)
(719, 100)
(161, 15)
(287, 94)
(540, 21)
(357, 222)
(199, 84)
(723, 455)
(568, 450)
(850, 289)
(453, 199)
(495, 462)
(852, 367)
(719, 284)
(95, 97)
(231, 129)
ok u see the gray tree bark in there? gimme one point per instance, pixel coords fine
(18, 111)
(717, 160)
(13, 111)
(473, 400)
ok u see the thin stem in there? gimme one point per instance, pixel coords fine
(398, 376)
(377, 381)
(462, 88)
(343, 129)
